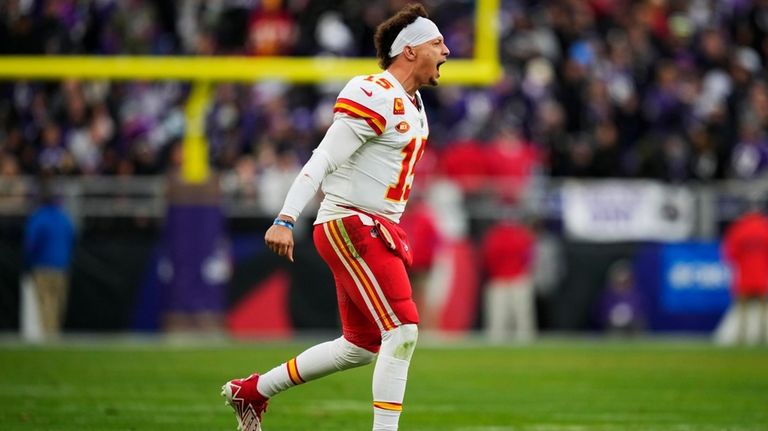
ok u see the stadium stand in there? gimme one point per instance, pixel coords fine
(666, 90)
(674, 92)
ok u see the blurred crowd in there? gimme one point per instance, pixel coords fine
(666, 89)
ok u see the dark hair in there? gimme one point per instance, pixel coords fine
(387, 31)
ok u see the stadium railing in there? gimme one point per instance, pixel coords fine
(146, 196)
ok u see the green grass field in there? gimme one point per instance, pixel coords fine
(550, 386)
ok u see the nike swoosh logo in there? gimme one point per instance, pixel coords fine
(367, 93)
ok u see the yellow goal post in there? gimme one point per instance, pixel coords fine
(483, 68)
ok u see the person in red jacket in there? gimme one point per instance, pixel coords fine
(507, 250)
(745, 248)
(420, 225)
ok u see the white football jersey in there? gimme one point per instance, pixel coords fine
(377, 178)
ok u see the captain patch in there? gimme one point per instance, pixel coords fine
(399, 108)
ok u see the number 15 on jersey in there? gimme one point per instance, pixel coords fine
(412, 152)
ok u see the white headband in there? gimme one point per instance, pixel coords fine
(420, 31)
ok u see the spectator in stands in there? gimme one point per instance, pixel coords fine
(18, 30)
(466, 164)
(750, 154)
(54, 157)
(706, 160)
(49, 239)
(510, 311)
(276, 177)
(591, 82)
(668, 159)
(12, 189)
(745, 248)
(512, 161)
(607, 159)
(272, 30)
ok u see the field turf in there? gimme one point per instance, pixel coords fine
(566, 385)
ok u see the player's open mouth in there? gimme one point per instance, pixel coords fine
(438, 67)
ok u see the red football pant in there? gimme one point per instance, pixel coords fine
(372, 286)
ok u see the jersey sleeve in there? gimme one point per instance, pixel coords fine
(338, 144)
(361, 105)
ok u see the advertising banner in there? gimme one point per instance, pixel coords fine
(609, 211)
(694, 278)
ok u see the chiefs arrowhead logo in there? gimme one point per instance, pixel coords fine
(402, 127)
(399, 108)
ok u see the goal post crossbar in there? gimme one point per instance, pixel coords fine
(482, 70)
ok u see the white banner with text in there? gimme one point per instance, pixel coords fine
(608, 211)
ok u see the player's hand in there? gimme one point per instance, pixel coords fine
(279, 239)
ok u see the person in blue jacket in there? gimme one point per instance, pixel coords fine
(49, 238)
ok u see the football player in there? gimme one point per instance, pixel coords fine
(365, 166)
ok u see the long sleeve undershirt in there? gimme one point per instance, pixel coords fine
(339, 143)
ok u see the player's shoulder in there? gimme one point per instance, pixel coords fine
(370, 90)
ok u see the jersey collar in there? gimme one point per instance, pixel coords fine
(416, 100)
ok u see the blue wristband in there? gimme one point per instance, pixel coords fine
(284, 223)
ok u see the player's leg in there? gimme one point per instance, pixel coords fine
(353, 349)
(390, 375)
(497, 303)
(61, 287)
(358, 344)
(316, 362)
(45, 290)
(742, 320)
(249, 396)
(382, 291)
(763, 321)
(523, 303)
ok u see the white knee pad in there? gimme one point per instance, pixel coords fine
(400, 342)
(347, 355)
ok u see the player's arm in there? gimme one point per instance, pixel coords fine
(339, 143)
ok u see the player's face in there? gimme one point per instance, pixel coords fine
(430, 56)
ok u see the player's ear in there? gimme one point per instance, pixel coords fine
(410, 52)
